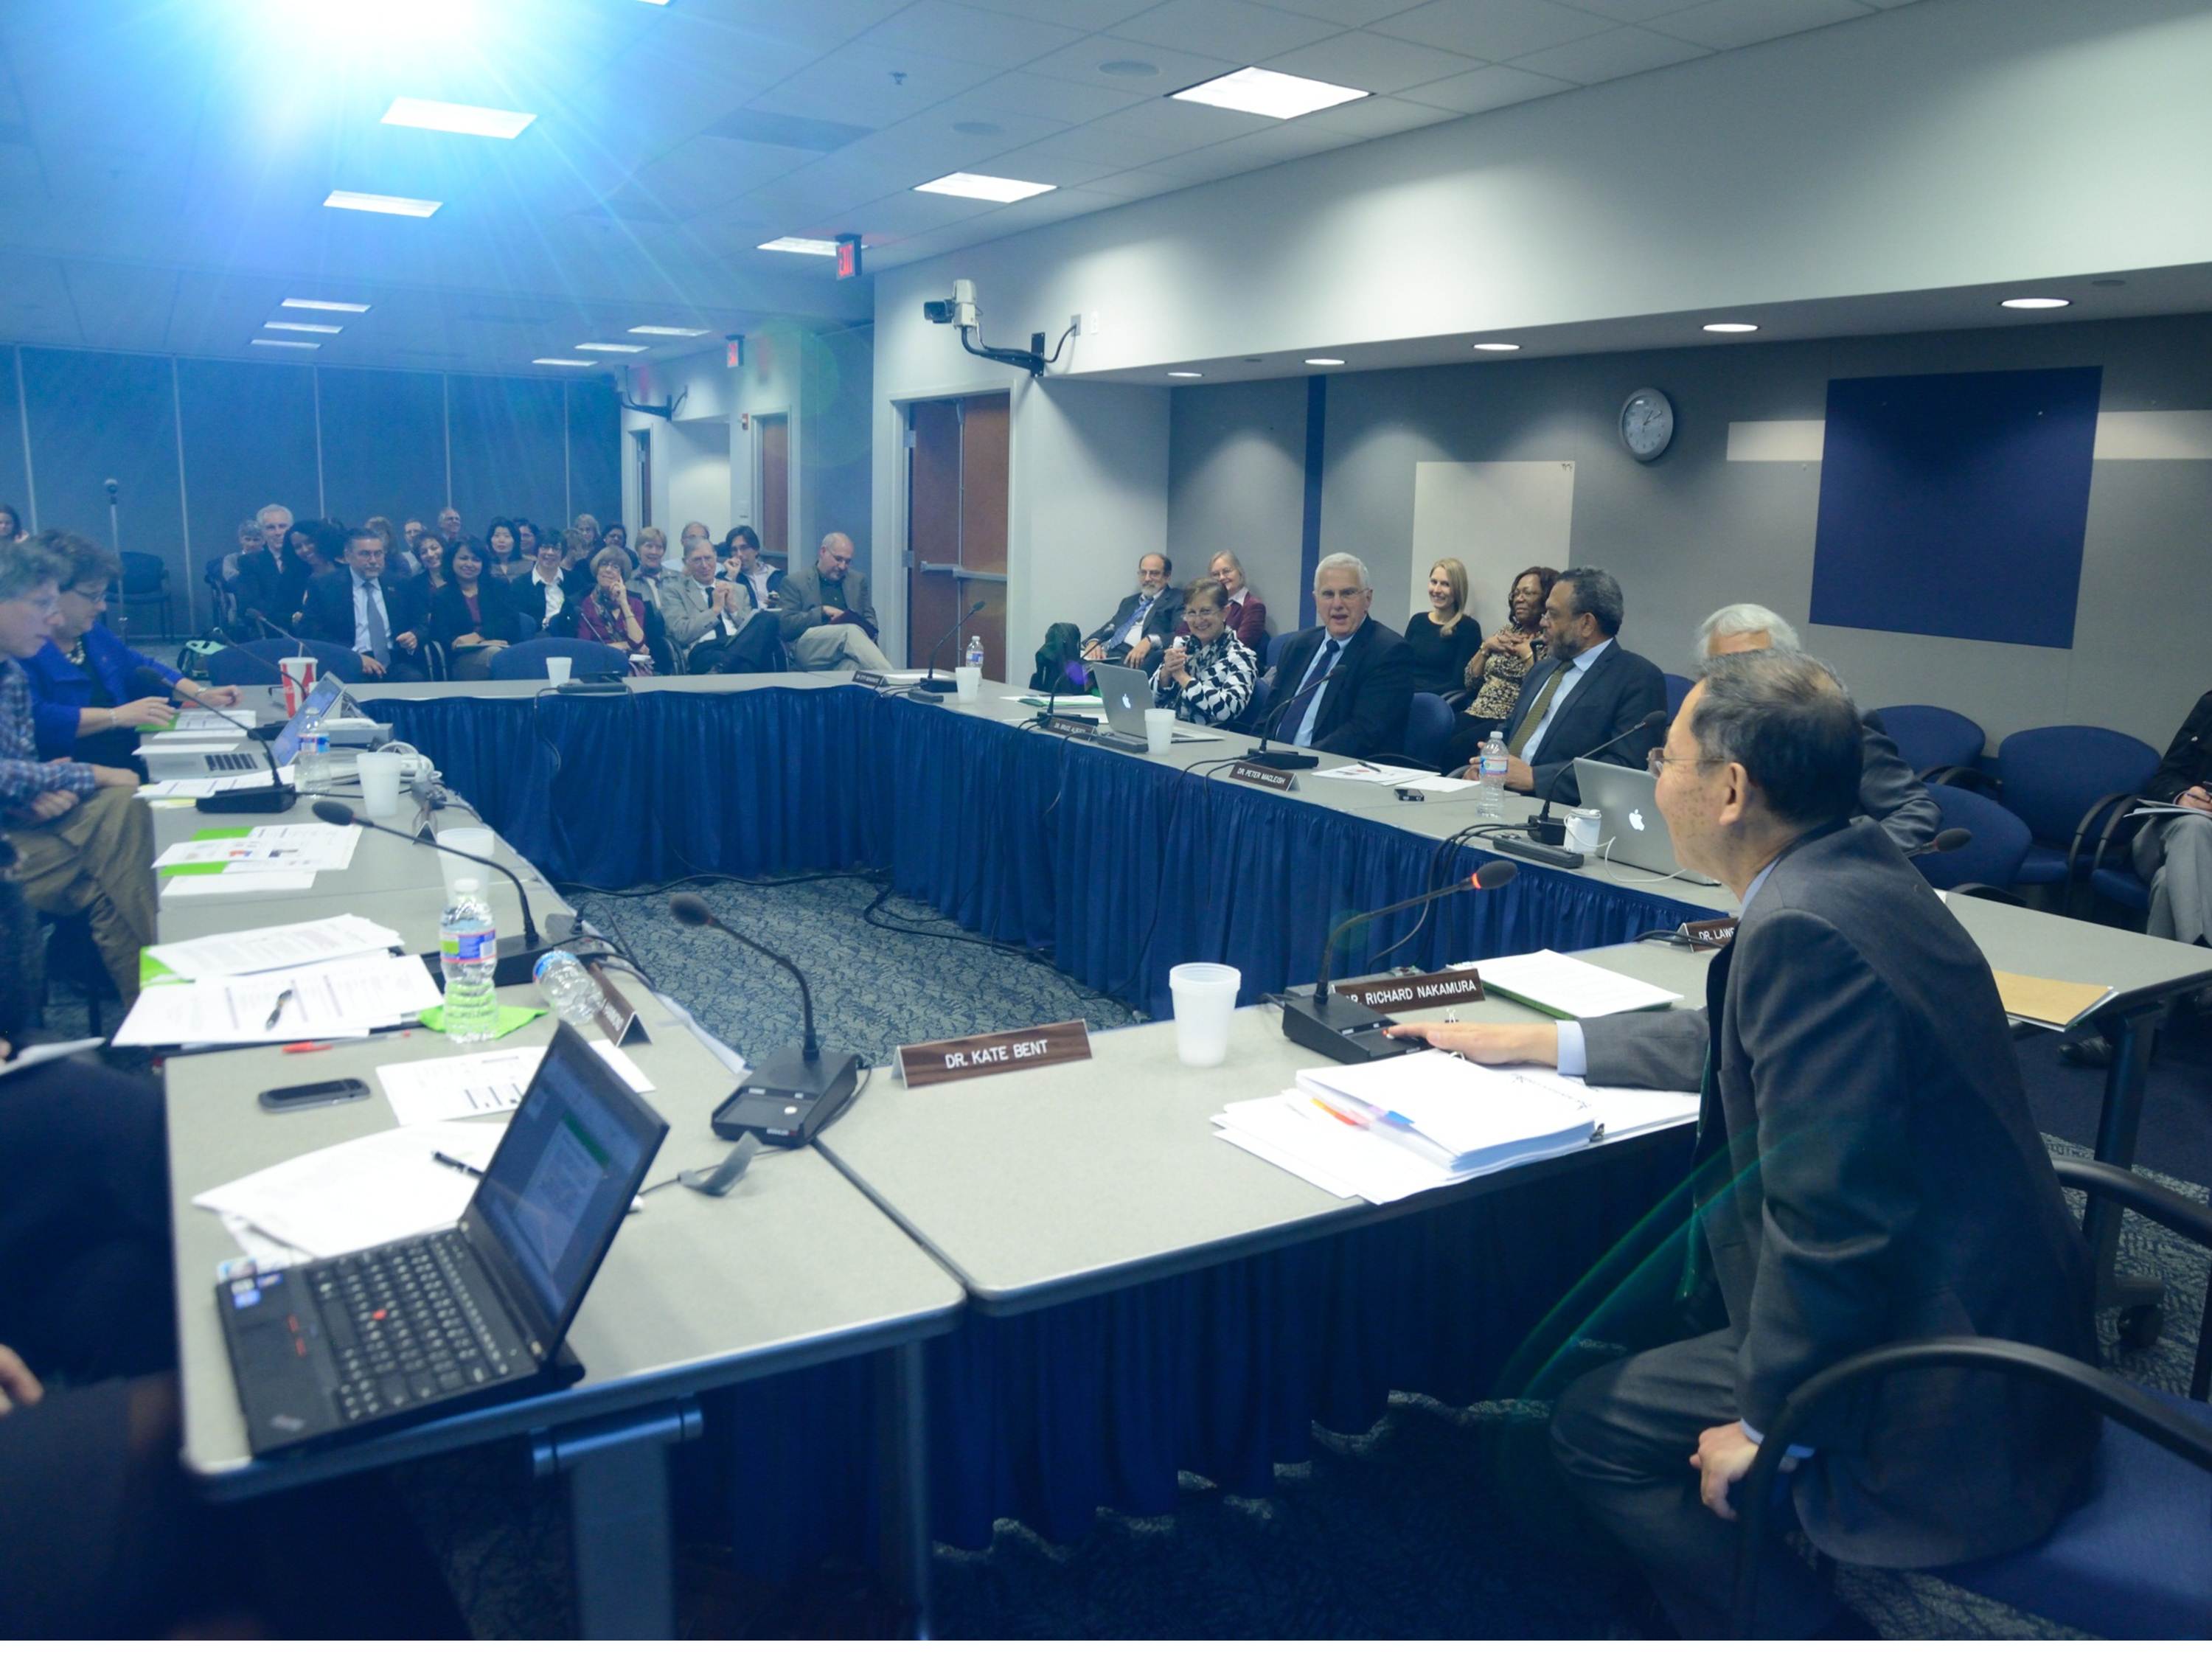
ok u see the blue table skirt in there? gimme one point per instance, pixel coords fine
(1045, 1417)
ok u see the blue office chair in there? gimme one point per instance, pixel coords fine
(254, 663)
(527, 660)
(1428, 727)
(2068, 783)
(1992, 859)
(1678, 689)
(2120, 884)
(1931, 738)
(145, 587)
(1275, 644)
(2133, 1562)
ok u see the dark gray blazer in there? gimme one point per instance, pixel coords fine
(1160, 623)
(1617, 691)
(1890, 794)
(1868, 1172)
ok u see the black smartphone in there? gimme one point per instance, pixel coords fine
(300, 1096)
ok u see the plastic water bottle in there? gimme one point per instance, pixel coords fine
(468, 955)
(1490, 786)
(975, 651)
(568, 989)
(311, 765)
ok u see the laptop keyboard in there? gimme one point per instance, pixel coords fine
(234, 762)
(403, 1326)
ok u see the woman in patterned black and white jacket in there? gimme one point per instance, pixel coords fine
(1208, 673)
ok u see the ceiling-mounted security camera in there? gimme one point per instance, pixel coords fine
(961, 313)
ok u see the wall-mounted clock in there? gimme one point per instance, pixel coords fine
(1647, 423)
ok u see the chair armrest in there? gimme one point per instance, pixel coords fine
(2122, 1402)
(1964, 777)
(2115, 806)
(1982, 889)
(2185, 1216)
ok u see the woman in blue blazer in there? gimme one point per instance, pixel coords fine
(87, 702)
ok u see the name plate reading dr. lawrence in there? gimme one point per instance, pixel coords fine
(1392, 992)
(924, 1063)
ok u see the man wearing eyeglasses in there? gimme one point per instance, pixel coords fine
(1866, 1172)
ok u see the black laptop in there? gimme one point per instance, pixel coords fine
(450, 1321)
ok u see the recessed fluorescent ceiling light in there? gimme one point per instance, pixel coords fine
(564, 362)
(307, 328)
(800, 245)
(662, 328)
(984, 188)
(604, 345)
(407, 207)
(322, 305)
(1269, 92)
(296, 345)
(2035, 305)
(1324, 362)
(1184, 374)
(1731, 328)
(1496, 345)
(472, 119)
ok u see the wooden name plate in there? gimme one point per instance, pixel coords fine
(1067, 726)
(874, 678)
(924, 1063)
(1709, 935)
(1268, 777)
(1392, 992)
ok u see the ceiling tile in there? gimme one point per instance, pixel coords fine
(1286, 142)
(1726, 24)
(1225, 28)
(1036, 163)
(705, 173)
(907, 214)
(1352, 14)
(1176, 69)
(860, 84)
(1374, 63)
(1071, 101)
(1609, 56)
(1076, 14)
(1134, 183)
(1185, 125)
(968, 35)
(1376, 117)
(1633, 11)
(821, 24)
(1116, 150)
(1491, 29)
(1486, 89)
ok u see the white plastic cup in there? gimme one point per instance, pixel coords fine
(1159, 731)
(556, 668)
(474, 839)
(966, 683)
(381, 774)
(1204, 995)
(298, 674)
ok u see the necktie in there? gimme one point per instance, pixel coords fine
(1537, 710)
(380, 639)
(1136, 622)
(1324, 660)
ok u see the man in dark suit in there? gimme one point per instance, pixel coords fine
(1361, 710)
(362, 607)
(1589, 687)
(1144, 620)
(1867, 1172)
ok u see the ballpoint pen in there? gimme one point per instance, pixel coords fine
(453, 1163)
(276, 1012)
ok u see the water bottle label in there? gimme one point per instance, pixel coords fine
(468, 947)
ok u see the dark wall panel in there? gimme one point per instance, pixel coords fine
(96, 415)
(15, 488)
(249, 441)
(595, 453)
(508, 437)
(383, 445)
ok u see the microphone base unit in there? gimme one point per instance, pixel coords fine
(1284, 760)
(1521, 846)
(272, 798)
(1346, 1031)
(518, 960)
(935, 681)
(1547, 831)
(787, 1098)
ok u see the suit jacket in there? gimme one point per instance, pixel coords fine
(690, 613)
(529, 608)
(1247, 619)
(450, 618)
(1868, 1172)
(276, 591)
(1160, 623)
(1617, 691)
(330, 607)
(1890, 794)
(1364, 708)
(2188, 759)
(798, 601)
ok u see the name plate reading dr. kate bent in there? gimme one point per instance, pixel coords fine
(924, 1063)
(1388, 993)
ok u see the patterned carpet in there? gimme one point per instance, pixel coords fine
(1432, 1525)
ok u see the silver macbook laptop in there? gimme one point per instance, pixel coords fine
(1629, 829)
(1127, 694)
(180, 762)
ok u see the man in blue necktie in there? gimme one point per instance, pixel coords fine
(1143, 621)
(1347, 685)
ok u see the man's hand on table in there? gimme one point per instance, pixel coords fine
(1488, 1045)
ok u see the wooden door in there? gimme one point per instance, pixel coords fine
(956, 471)
(773, 437)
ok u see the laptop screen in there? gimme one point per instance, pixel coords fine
(321, 697)
(565, 1173)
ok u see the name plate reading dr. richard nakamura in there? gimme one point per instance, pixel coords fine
(924, 1063)
(1388, 993)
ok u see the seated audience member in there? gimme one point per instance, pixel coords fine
(249, 542)
(1502, 662)
(1143, 624)
(651, 554)
(1444, 638)
(275, 522)
(1347, 685)
(88, 698)
(1247, 613)
(1591, 689)
(592, 536)
(1207, 674)
(541, 597)
(83, 840)
(429, 576)
(272, 581)
(362, 607)
(318, 548)
(609, 614)
(2174, 854)
(824, 613)
(1869, 1173)
(712, 625)
(473, 615)
(741, 551)
(503, 542)
(615, 535)
(1888, 793)
(398, 555)
(449, 524)
(11, 524)
(526, 550)
(411, 532)
(578, 548)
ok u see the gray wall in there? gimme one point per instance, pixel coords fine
(344, 443)
(1695, 531)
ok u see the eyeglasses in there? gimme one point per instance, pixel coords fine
(1659, 760)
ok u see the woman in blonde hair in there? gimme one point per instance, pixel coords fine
(1443, 637)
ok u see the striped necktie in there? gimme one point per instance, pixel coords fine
(1537, 710)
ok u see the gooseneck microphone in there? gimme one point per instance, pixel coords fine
(1347, 1029)
(1292, 760)
(275, 796)
(791, 1095)
(1945, 840)
(1547, 831)
(930, 681)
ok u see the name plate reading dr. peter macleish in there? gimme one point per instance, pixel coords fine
(924, 1063)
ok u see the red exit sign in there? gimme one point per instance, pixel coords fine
(848, 256)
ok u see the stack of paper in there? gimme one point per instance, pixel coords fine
(225, 720)
(1567, 988)
(1368, 772)
(351, 997)
(261, 849)
(261, 949)
(361, 1193)
(489, 1080)
(2053, 1003)
(199, 788)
